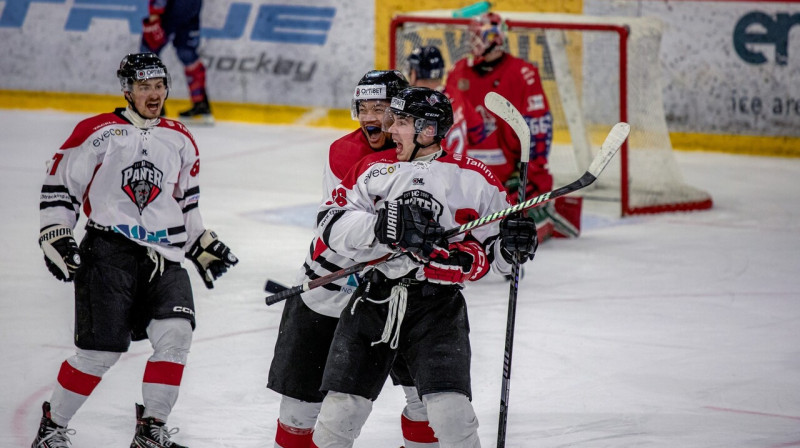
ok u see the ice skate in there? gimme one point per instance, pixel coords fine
(51, 435)
(200, 113)
(152, 433)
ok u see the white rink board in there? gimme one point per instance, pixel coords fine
(302, 53)
(66, 46)
(716, 78)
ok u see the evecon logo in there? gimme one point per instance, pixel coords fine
(759, 29)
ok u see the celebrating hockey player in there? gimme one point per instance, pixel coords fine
(178, 21)
(136, 176)
(398, 203)
(489, 67)
(425, 66)
(308, 322)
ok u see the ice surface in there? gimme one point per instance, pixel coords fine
(676, 330)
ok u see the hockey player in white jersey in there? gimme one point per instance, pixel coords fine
(308, 321)
(398, 205)
(136, 177)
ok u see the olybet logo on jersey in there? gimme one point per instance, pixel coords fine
(142, 183)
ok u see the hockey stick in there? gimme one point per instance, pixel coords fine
(610, 147)
(273, 286)
(324, 280)
(505, 110)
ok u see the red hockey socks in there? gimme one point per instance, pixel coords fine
(417, 434)
(196, 78)
(291, 437)
(76, 381)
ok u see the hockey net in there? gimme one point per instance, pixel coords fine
(596, 71)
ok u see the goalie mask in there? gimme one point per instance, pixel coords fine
(487, 33)
(141, 67)
(427, 62)
(377, 85)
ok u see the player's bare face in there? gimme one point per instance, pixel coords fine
(370, 118)
(148, 97)
(403, 133)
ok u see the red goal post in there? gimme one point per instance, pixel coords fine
(596, 71)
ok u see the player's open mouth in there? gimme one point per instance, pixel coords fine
(374, 133)
(153, 106)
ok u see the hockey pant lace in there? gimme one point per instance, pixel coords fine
(397, 301)
(158, 262)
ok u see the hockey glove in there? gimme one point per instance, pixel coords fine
(464, 261)
(409, 227)
(61, 253)
(153, 33)
(512, 187)
(518, 235)
(211, 257)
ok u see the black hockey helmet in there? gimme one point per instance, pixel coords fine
(427, 61)
(430, 108)
(140, 67)
(377, 85)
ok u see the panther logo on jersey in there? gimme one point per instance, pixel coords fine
(142, 183)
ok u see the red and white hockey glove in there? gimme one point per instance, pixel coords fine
(464, 261)
(153, 33)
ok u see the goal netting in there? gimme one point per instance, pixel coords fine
(596, 71)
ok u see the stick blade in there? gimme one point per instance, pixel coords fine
(610, 147)
(508, 113)
(274, 287)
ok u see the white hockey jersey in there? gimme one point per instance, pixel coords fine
(139, 182)
(456, 188)
(330, 299)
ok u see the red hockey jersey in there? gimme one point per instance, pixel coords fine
(517, 81)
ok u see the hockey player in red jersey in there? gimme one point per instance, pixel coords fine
(398, 203)
(425, 68)
(301, 349)
(136, 176)
(489, 67)
(178, 21)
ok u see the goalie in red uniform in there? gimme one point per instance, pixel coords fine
(489, 67)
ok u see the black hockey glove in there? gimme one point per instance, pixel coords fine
(518, 235)
(61, 253)
(409, 227)
(211, 257)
